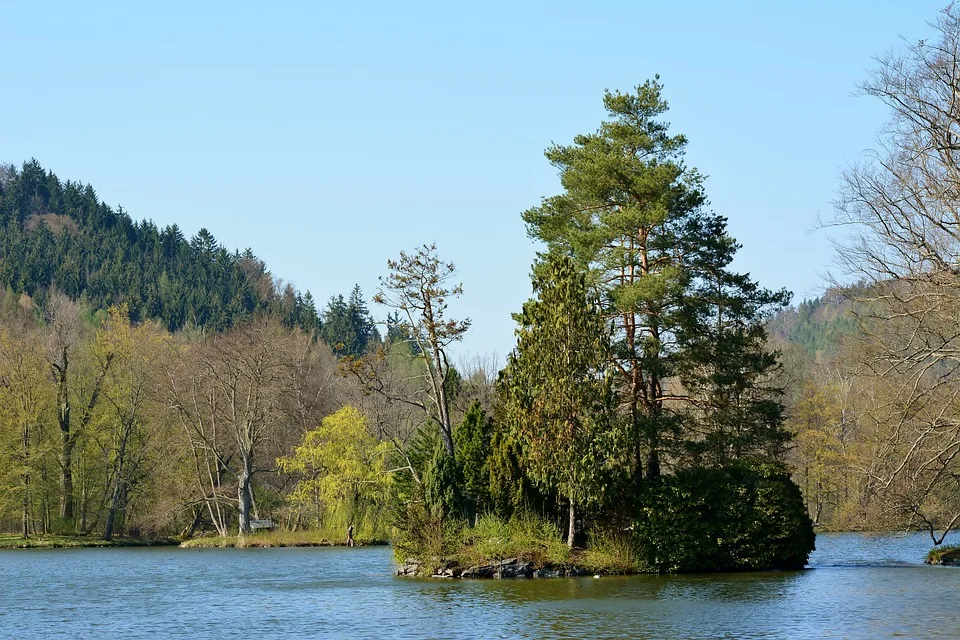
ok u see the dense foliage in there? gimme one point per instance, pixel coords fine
(59, 234)
(739, 517)
(634, 217)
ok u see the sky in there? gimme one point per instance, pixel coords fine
(328, 137)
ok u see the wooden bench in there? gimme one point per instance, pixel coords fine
(258, 525)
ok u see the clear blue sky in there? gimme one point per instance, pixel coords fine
(329, 137)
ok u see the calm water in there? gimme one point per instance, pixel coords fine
(858, 587)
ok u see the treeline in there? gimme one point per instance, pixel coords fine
(58, 235)
(861, 420)
(872, 369)
(113, 427)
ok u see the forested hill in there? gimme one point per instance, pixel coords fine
(58, 235)
(815, 325)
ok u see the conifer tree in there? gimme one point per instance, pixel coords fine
(634, 216)
(555, 389)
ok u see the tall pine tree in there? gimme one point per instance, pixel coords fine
(634, 216)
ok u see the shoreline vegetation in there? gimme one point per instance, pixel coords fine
(659, 412)
(272, 539)
(55, 541)
(947, 555)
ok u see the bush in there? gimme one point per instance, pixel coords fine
(738, 518)
(612, 552)
(526, 537)
(426, 536)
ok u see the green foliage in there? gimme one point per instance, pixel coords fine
(347, 325)
(612, 552)
(527, 537)
(342, 473)
(472, 439)
(819, 325)
(741, 517)
(555, 390)
(510, 489)
(56, 234)
(633, 216)
(944, 554)
(443, 485)
(425, 536)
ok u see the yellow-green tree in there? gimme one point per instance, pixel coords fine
(124, 427)
(343, 473)
(24, 403)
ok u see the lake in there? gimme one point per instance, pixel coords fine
(858, 586)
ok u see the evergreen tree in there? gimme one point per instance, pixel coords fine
(634, 216)
(472, 440)
(556, 391)
(59, 235)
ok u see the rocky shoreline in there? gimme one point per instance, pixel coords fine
(948, 556)
(496, 570)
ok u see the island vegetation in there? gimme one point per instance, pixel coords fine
(660, 412)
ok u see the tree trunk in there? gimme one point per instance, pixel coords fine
(112, 511)
(244, 494)
(653, 464)
(66, 473)
(25, 502)
(118, 488)
(66, 443)
(572, 525)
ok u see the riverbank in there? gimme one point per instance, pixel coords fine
(269, 539)
(78, 542)
(524, 547)
(948, 556)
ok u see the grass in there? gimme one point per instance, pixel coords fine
(610, 553)
(949, 555)
(527, 538)
(52, 541)
(309, 538)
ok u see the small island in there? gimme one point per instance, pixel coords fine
(660, 410)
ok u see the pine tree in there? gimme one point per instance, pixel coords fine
(634, 216)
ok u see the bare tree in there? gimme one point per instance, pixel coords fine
(903, 205)
(62, 338)
(236, 388)
(419, 288)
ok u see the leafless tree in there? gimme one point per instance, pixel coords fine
(62, 336)
(902, 205)
(419, 287)
(232, 397)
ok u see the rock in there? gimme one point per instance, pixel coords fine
(548, 572)
(576, 572)
(480, 571)
(410, 567)
(514, 569)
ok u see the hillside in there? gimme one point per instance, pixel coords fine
(815, 325)
(58, 234)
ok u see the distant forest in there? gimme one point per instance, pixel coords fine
(57, 235)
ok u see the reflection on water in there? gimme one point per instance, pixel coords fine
(858, 587)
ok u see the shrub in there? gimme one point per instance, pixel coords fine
(613, 552)
(947, 554)
(741, 517)
(527, 537)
